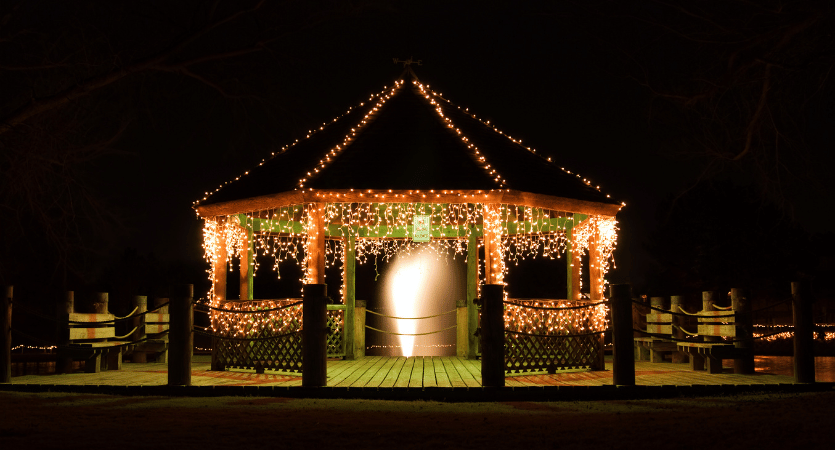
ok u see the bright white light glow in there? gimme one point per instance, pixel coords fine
(419, 284)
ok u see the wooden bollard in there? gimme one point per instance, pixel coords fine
(359, 329)
(804, 355)
(314, 335)
(101, 302)
(744, 332)
(461, 331)
(6, 336)
(181, 336)
(140, 302)
(623, 357)
(492, 335)
(676, 303)
(63, 311)
(660, 303)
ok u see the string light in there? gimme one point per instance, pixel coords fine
(554, 321)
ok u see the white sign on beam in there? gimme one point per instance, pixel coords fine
(420, 228)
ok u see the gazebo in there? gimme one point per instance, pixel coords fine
(404, 167)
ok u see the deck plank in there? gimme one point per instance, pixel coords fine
(417, 372)
(441, 374)
(390, 378)
(370, 372)
(405, 373)
(430, 378)
(348, 376)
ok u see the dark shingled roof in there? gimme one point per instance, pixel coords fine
(405, 145)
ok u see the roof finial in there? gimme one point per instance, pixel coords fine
(407, 66)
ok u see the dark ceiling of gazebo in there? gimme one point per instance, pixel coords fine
(407, 145)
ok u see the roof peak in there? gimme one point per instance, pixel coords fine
(407, 67)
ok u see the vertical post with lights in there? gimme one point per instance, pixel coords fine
(349, 292)
(623, 352)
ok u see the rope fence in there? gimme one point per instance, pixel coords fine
(409, 334)
(410, 318)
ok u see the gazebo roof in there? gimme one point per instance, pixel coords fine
(407, 139)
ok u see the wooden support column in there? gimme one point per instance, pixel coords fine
(6, 335)
(744, 332)
(472, 294)
(349, 292)
(573, 266)
(247, 264)
(623, 358)
(656, 302)
(595, 268)
(493, 257)
(98, 360)
(359, 329)
(676, 303)
(492, 335)
(140, 302)
(461, 331)
(314, 336)
(63, 310)
(316, 244)
(219, 271)
(181, 316)
(804, 355)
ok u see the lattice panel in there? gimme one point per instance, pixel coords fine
(336, 333)
(270, 339)
(524, 353)
(553, 334)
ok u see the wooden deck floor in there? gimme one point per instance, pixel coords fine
(414, 372)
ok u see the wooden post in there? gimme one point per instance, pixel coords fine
(141, 302)
(472, 294)
(181, 342)
(314, 336)
(359, 329)
(100, 303)
(492, 335)
(804, 355)
(316, 244)
(656, 302)
(712, 365)
(595, 268)
(349, 259)
(247, 265)
(744, 332)
(461, 331)
(493, 256)
(676, 303)
(623, 358)
(6, 336)
(162, 357)
(219, 271)
(63, 310)
(572, 269)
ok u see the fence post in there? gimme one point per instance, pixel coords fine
(804, 355)
(744, 332)
(623, 357)
(6, 336)
(359, 329)
(461, 330)
(141, 302)
(656, 356)
(181, 336)
(676, 303)
(492, 335)
(63, 311)
(314, 335)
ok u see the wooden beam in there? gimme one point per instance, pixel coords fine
(247, 265)
(508, 196)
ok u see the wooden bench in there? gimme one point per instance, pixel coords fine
(655, 348)
(713, 326)
(151, 335)
(92, 338)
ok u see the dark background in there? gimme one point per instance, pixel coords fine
(650, 100)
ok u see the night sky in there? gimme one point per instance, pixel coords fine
(565, 79)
